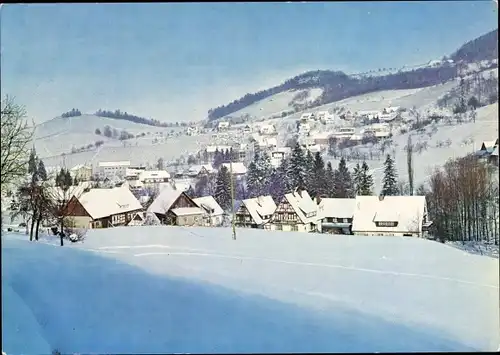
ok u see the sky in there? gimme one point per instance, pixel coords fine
(174, 61)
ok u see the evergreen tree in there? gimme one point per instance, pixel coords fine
(41, 171)
(343, 186)
(265, 170)
(297, 168)
(277, 185)
(218, 159)
(223, 188)
(357, 179)
(366, 188)
(309, 168)
(330, 180)
(32, 162)
(390, 180)
(252, 180)
(319, 183)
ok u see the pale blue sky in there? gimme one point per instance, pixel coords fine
(175, 61)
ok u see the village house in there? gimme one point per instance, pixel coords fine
(336, 215)
(213, 212)
(343, 133)
(102, 208)
(486, 151)
(223, 126)
(390, 216)
(279, 154)
(267, 129)
(238, 168)
(297, 212)
(174, 207)
(112, 168)
(321, 138)
(192, 131)
(81, 172)
(247, 129)
(200, 170)
(255, 212)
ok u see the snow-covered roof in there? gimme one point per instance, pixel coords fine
(209, 203)
(100, 203)
(153, 174)
(57, 192)
(165, 199)
(322, 135)
(408, 211)
(187, 211)
(213, 148)
(487, 145)
(355, 137)
(303, 204)
(182, 184)
(238, 168)
(80, 166)
(196, 169)
(259, 207)
(336, 207)
(108, 164)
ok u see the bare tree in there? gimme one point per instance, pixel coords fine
(61, 202)
(16, 137)
(409, 162)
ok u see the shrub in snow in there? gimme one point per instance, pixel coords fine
(76, 234)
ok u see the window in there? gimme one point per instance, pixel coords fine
(295, 228)
(386, 224)
(279, 227)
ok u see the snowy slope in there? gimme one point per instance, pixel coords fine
(58, 135)
(171, 289)
(275, 104)
(484, 129)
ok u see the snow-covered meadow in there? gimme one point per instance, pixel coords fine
(174, 289)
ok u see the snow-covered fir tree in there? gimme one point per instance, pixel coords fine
(366, 188)
(277, 185)
(343, 181)
(309, 170)
(297, 168)
(223, 188)
(357, 179)
(390, 180)
(318, 182)
(259, 174)
(330, 180)
(218, 159)
(252, 179)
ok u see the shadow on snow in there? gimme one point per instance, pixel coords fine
(88, 303)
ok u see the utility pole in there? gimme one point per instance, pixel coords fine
(232, 196)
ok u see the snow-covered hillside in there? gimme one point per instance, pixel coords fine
(59, 135)
(465, 138)
(173, 289)
(275, 104)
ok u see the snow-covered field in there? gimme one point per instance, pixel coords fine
(173, 289)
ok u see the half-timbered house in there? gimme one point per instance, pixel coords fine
(296, 212)
(255, 212)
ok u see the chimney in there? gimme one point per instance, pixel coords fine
(318, 199)
(381, 197)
